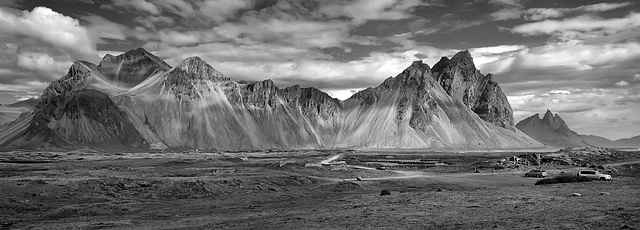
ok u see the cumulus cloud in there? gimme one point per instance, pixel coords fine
(51, 27)
(42, 64)
(622, 83)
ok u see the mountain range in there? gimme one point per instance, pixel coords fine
(136, 100)
(631, 142)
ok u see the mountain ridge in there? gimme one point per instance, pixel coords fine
(193, 105)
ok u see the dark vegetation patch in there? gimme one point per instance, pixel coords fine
(563, 179)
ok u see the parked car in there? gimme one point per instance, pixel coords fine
(594, 175)
(536, 173)
(381, 167)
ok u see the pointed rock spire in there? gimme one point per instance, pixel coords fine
(442, 64)
(548, 116)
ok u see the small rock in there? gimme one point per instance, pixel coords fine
(576, 194)
(385, 192)
(604, 193)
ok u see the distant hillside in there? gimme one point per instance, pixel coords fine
(550, 130)
(11, 112)
(633, 142)
(29, 103)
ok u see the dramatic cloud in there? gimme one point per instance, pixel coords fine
(51, 27)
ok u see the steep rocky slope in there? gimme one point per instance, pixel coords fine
(550, 130)
(74, 110)
(461, 80)
(78, 117)
(193, 105)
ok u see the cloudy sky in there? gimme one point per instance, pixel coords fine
(579, 58)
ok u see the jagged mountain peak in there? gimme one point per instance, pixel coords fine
(81, 67)
(462, 56)
(108, 57)
(135, 55)
(463, 60)
(197, 69)
(131, 68)
(461, 80)
(74, 79)
(551, 129)
(548, 116)
(183, 79)
(192, 61)
(438, 67)
(137, 52)
(414, 76)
